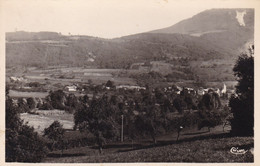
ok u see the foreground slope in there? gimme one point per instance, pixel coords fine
(204, 150)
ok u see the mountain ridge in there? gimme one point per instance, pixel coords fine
(216, 43)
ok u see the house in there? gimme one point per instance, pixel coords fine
(217, 91)
(224, 90)
(178, 90)
(200, 91)
(71, 88)
(16, 79)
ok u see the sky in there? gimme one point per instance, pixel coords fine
(102, 18)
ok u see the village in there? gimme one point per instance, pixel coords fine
(23, 88)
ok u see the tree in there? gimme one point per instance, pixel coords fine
(242, 103)
(179, 104)
(55, 132)
(22, 143)
(209, 119)
(151, 120)
(209, 101)
(57, 99)
(31, 103)
(98, 119)
(23, 106)
(110, 84)
(71, 103)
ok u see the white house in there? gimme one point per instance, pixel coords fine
(71, 88)
(224, 90)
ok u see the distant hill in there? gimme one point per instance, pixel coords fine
(204, 46)
(227, 28)
(116, 53)
(22, 35)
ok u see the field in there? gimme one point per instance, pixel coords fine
(18, 94)
(66, 75)
(207, 148)
(44, 120)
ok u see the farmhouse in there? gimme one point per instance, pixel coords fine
(224, 90)
(16, 79)
(71, 88)
(200, 91)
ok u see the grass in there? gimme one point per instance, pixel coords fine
(17, 94)
(200, 149)
(40, 122)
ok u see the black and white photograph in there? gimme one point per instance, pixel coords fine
(159, 81)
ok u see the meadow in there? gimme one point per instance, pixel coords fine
(18, 94)
(43, 120)
(210, 147)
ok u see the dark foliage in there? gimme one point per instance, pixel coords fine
(31, 103)
(99, 119)
(46, 106)
(110, 84)
(23, 106)
(210, 119)
(209, 101)
(57, 99)
(22, 143)
(179, 104)
(242, 104)
(55, 132)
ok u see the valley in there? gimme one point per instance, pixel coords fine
(170, 90)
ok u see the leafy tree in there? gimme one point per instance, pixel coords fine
(31, 103)
(151, 121)
(71, 103)
(209, 119)
(34, 84)
(159, 95)
(110, 84)
(12, 117)
(179, 104)
(242, 103)
(55, 132)
(57, 99)
(98, 119)
(209, 101)
(22, 143)
(23, 106)
(85, 99)
(46, 106)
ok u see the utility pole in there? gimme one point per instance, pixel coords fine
(122, 129)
